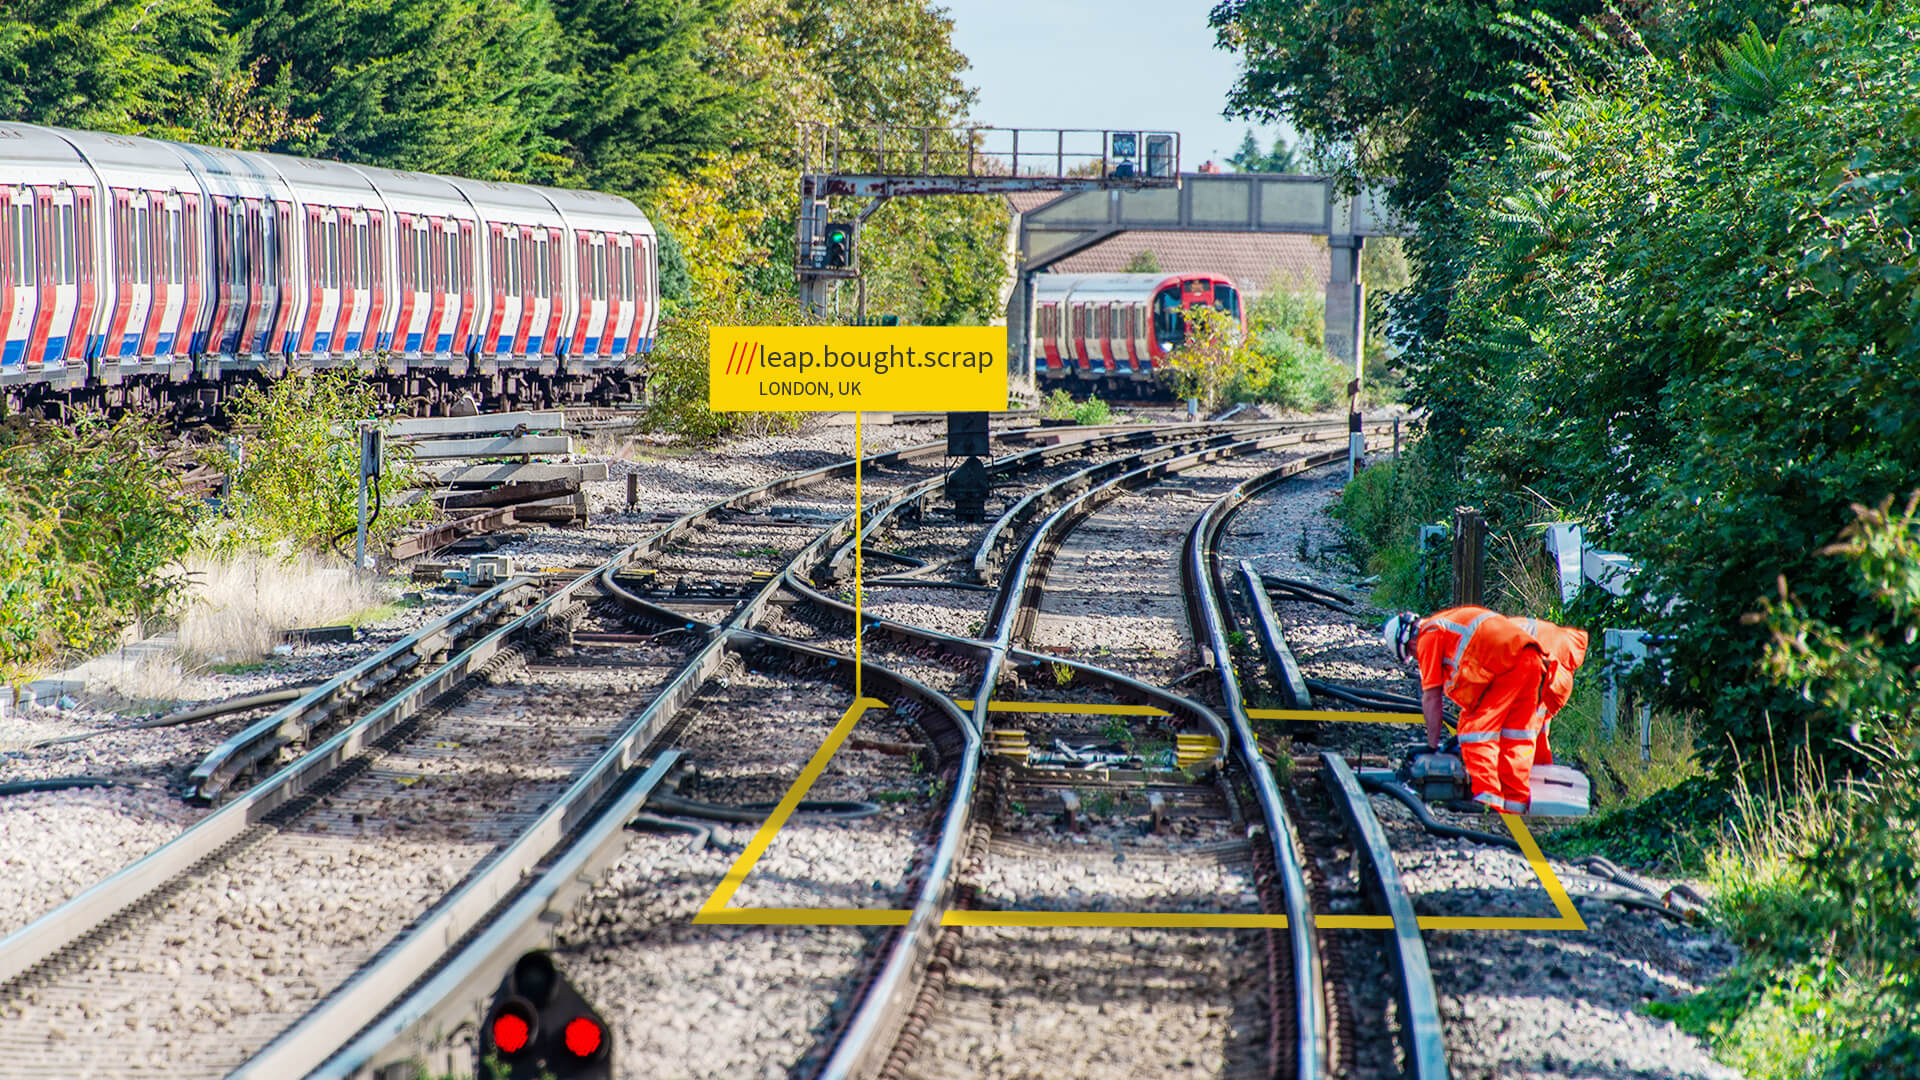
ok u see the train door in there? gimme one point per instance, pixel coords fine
(1120, 337)
(1080, 314)
(457, 301)
(623, 327)
(282, 280)
(49, 274)
(263, 276)
(551, 277)
(583, 282)
(647, 263)
(173, 296)
(129, 312)
(352, 280)
(83, 342)
(466, 269)
(316, 244)
(408, 318)
(373, 233)
(226, 266)
(430, 279)
(10, 263)
(192, 259)
(139, 249)
(1140, 324)
(497, 288)
(522, 256)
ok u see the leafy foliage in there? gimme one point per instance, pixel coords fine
(1061, 406)
(1287, 362)
(298, 480)
(1280, 159)
(91, 520)
(1213, 357)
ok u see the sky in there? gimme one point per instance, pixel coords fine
(1119, 64)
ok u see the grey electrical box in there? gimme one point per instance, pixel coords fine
(967, 434)
(967, 488)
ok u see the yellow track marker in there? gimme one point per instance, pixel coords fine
(715, 910)
(859, 585)
(776, 820)
(1337, 717)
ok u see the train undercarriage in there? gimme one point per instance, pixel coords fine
(188, 393)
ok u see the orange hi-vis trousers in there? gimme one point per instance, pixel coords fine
(1498, 734)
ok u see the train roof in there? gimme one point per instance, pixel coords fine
(38, 155)
(1113, 287)
(132, 160)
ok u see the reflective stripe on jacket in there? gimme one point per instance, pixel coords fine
(1463, 649)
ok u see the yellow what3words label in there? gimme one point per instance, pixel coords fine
(856, 368)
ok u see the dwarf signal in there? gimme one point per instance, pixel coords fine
(540, 1026)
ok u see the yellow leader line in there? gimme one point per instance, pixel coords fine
(778, 819)
(715, 910)
(859, 589)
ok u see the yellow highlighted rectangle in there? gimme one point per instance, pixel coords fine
(716, 911)
(1338, 717)
(856, 368)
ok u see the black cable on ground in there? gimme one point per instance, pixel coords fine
(1636, 894)
(703, 836)
(755, 813)
(1308, 592)
(189, 716)
(65, 783)
(1358, 695)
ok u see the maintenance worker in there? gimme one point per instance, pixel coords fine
(1495, 671)
(1566, 650)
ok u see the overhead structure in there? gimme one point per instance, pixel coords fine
(877, 162)
(1215, 202)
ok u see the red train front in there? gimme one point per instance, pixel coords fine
(1114, 330)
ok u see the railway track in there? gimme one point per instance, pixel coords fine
(1348, 868)
(369, 759)
(926, 955)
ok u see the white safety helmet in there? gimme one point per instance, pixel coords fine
(1399, 633)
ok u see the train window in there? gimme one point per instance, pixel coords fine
(456, 276)
(70, 261)
(1227, 299)
(143, 247)
(366, 250)
(1168, 326)
(600, 271)
(436, 257)
(178, 269)
(332, 257)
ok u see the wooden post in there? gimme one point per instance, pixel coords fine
(633, 491)
(1396, 440)
(1469, 556)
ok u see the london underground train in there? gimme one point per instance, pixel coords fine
(1116, 330)
(139, 271)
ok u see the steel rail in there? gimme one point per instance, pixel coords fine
(447, 994)
(868, 1039)
(1154, 437)
(1281, 665)
(1206, 613)
(1421, 1027)
(297, 721)
(73, 920)
(387, 1026)
(987, 553)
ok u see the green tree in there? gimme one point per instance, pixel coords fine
(647, 101)
(1143, 262)
(468, 87)
(106, 65)
(1279, 159)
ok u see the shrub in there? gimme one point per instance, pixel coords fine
(1061, 406)
(1820, 882)
(298, 482)
(92, 520)
(677, 370)
(1380, 512)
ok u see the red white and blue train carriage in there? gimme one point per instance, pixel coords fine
(138, 269)
(1116, 330)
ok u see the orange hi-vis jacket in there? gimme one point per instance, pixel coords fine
(1567, 648)
(1463, 649)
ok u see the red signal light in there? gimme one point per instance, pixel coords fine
(511, 1032)
(583, 1036)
